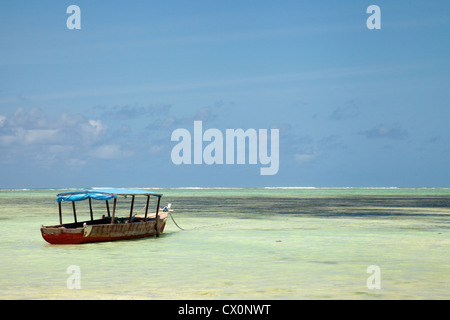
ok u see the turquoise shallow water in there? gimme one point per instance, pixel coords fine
(281, 243)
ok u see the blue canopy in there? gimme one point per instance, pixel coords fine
(84, 196)
(101, 194)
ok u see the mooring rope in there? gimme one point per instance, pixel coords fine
(202, 227)
(175, 221)
(169, 215)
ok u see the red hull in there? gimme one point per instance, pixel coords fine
(63, 238)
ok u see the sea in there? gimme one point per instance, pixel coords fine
(240, 244)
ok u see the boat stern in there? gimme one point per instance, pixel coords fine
(61, 235)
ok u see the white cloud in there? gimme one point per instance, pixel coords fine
(385, 131)
(69, 139)
(91, 131)
(98, 126)
(61, 149)
(76, 162)
(156, 148)
(37, 136)
(110, 151)
(204, 114)
(305, 158)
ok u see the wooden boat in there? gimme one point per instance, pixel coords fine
(110, 227)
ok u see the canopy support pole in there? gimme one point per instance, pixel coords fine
(90, 209)
(107, 208)
(60, 213)
(156, 217)
(131, 209)
(74, 211)
(114, 211)
(146, 208)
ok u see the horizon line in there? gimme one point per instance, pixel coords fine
(218, 188)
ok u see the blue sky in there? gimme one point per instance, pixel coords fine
(97, 106)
